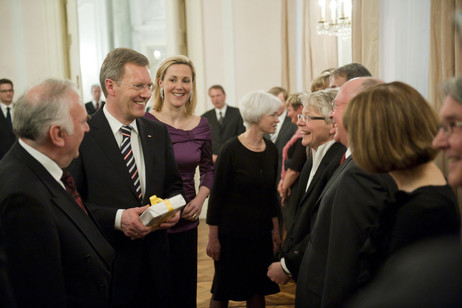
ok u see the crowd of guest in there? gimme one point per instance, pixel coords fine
(335, 189)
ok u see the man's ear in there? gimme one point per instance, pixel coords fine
(332, 129)
(56, 134)
(109, 83)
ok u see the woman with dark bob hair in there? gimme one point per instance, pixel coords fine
(390, 129)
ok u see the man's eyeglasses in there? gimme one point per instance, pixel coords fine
(307, 118)
(140, 87)
(7, 91)
(448, 128)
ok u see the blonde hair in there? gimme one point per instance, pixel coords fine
(160, 75)
(390, 127)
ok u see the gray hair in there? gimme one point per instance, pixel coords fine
(320, 101)
(256, 104)
(36, 111)
(453, 88)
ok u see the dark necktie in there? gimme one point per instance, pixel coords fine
(69, 183)
(343, 158)
(8, 116)
(220, 118)
(127, 154)
(97, 106)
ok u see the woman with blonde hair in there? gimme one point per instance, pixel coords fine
(191, 135)
(390, 129)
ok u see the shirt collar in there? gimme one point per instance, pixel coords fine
(50, 165)
(115, 124)
(222, 110)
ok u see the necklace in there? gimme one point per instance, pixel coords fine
(257, 148)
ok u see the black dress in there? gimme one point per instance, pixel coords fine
(426, 213)
(242, 204)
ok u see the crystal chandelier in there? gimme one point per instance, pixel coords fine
(340, 26)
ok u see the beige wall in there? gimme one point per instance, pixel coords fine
(32, 42)
(242, 45)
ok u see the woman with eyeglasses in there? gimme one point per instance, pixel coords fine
(390, 129)
(243, 207)
(191, 135)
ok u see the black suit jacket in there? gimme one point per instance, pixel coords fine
(297, 237)
(286, 132)
(91, 109)
(233, 125)
(349, 204)
(103, 180)
(57, 255)
(7, 138)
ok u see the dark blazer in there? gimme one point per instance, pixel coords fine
(286, 132)
(296, 239)
(57, 255)
(103, 180)
(349, 204)
(7, 138)
(233, 125)
(91, 109)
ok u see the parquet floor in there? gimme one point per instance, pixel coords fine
(283, 299)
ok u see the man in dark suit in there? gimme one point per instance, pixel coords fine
(57, 255)
(116, 193)
(318, 134)
(226, 121)
(7, 137)
(349, 204)
(96, 102)
(285, 129)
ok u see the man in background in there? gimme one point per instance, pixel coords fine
(225, 120)
(124, 160)
(57, 255)
(347, 72)
(96, 102)
(7, 137)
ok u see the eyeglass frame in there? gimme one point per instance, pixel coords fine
(305, 118)
(140, 87)
(448, 127)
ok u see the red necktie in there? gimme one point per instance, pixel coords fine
(343, 158)
(69, 183)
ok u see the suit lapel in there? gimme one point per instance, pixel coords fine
(62, 200)
(104, 138)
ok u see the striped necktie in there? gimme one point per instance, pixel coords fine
(127, 154)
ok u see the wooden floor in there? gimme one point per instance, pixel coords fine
(283, 299)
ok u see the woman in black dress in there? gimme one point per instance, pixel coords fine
(242, 210)
(390, 129)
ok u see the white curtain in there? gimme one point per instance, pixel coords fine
(405, 42)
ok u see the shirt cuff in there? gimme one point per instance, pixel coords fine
(118, 220)
(284, 267)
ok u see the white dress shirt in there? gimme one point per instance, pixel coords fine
(137, 154)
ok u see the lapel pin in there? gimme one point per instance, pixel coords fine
(149, 136)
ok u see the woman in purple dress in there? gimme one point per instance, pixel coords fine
(174, 104)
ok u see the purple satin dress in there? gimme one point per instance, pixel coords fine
(192, 148)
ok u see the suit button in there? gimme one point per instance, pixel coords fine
(296, 252)
(87, 258)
